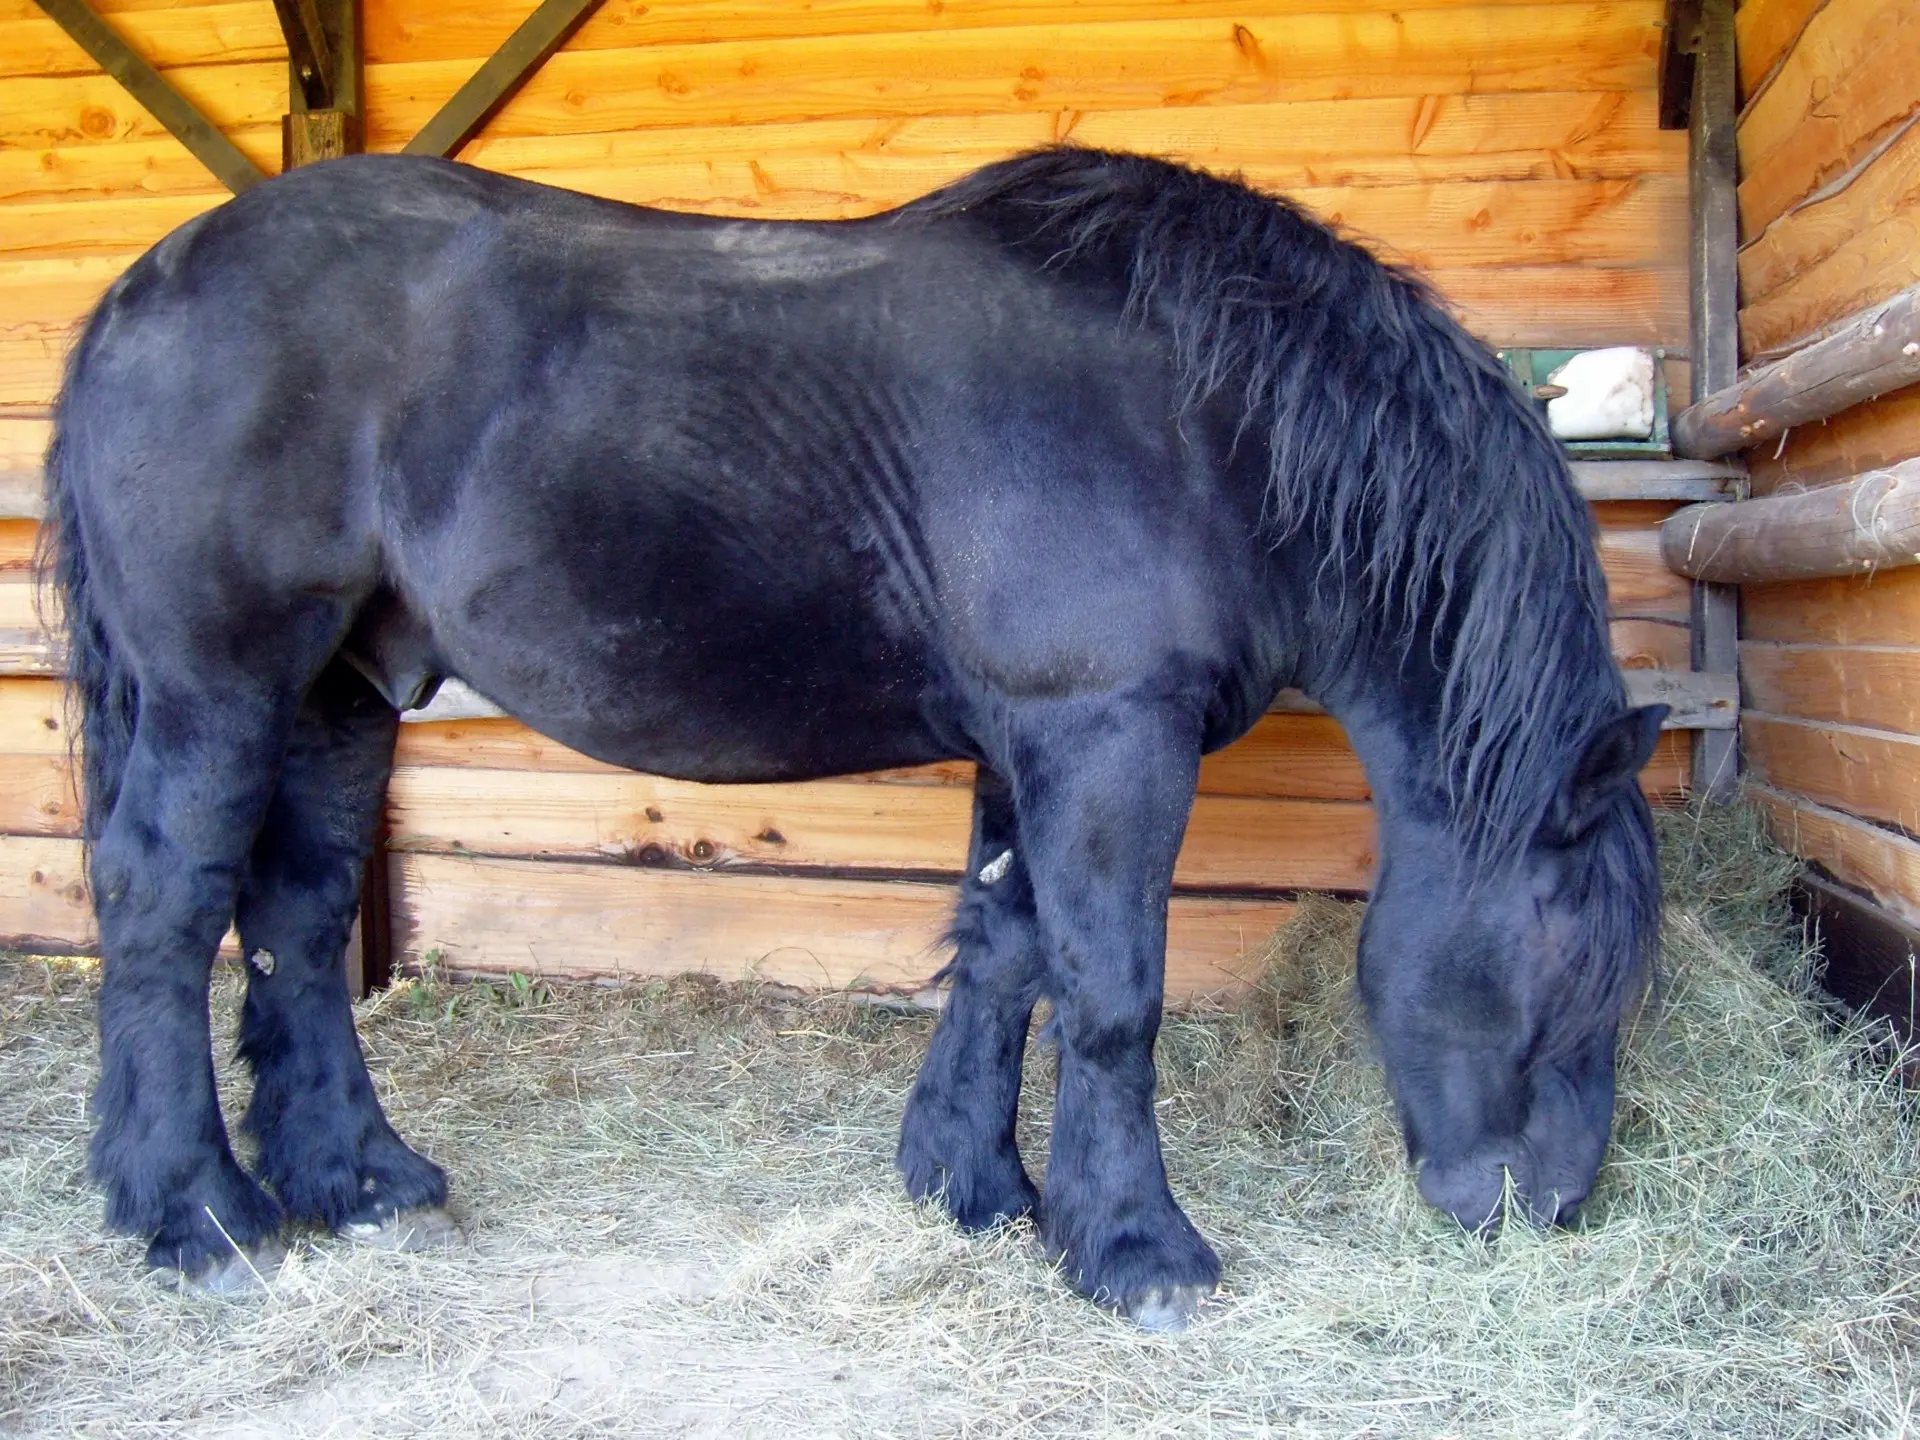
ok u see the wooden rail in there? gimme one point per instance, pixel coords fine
(1871, 524)
(1876, 350)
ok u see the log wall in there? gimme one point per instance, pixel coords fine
(1830, 213)
(1510, 148)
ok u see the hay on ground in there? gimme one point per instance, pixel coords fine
(685, 1222)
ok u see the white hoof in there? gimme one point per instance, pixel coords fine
(409, 1231)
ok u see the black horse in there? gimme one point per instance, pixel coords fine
(1065, 469)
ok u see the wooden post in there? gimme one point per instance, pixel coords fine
(323, 80)
(1712, 170)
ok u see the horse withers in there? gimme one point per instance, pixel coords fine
(1065, 469)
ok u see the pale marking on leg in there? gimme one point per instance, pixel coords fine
(263, 961)
(995, 870)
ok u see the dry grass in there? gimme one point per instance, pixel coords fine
(686, 1222)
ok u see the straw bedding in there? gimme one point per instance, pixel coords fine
(685, 1222)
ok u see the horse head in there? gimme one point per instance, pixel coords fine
(1496, 998)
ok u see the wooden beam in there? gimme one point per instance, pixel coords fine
(501, 76)
(324, 81)
(1713, 244)
(1877, 687)
(147, 85)
(1679, 45)
(309, 51)
(1871, 524)
(1874, 351)
(1698, 480)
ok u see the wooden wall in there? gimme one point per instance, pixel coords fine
(1510, 148)
(1830, 219)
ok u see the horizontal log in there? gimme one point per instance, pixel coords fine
(1619, 480)
(1875, 351)
(608, 921)
(1871, 524)
(1882, 862)
(1877, 688)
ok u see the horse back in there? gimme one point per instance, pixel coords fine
(726, 499)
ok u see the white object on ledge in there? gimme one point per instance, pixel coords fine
(1609, 395)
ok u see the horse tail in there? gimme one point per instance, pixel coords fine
(103, 694)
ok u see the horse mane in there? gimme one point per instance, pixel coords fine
(1440, 502)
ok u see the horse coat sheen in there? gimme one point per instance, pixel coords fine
(1066, 469)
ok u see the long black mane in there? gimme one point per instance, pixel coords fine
(1399, 443)
(1396, 440)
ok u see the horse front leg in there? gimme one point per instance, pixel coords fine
(1103, 794)
(957, 1140)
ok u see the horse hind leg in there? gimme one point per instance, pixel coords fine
(326, 1148)
(957, 1140)
(165, 869)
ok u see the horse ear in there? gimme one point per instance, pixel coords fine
(1611, 759)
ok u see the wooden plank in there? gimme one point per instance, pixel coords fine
(552, 918)
(1640, 585)
(1881, 609)
(1544, 305)
(1368, 141)
(34, 45)
(1121, 65)
(37, 796)
(1800, 240)
(1870, 773)
(38, 113)
(415, 30)
(155, 95)
(1871, 524)
(1876, 351)
(1650, 644)
(1765, 31)
(44, 905)
(1878, 688)
(18, 541)
(1694, 700)
(32, 716)
(1881, 862)
(1602, 481)
(123, 168)
(859, 166)
(1233, 843)
(1873, 266)
(1873, 436)
(1848, 83)
(60, 229)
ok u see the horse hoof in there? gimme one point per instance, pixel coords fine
(409, 1231)
(1168, 1309)
(247, 1271)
